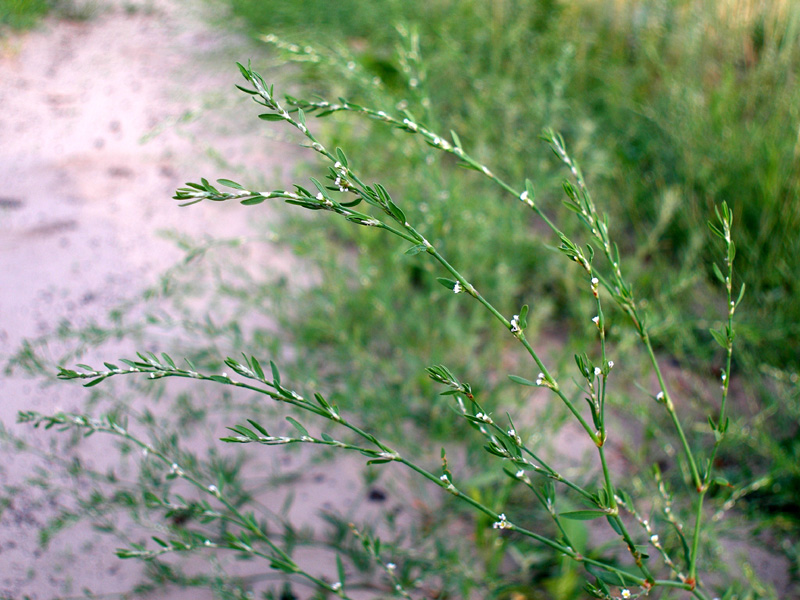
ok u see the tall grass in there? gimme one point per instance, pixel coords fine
(676, 105)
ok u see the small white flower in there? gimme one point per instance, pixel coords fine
(320, 197)
(654, 539)
(540, 379)
(336, 586)
(391, 566)
(515, 324)
(626, 593)
(598, 371)
(596, 320)
(595, 281)
(501, 523)
(520, 474)
(351, 65)
(444, 478)
(458, 288)
(611, 364)
(207, 543)
(660, 396)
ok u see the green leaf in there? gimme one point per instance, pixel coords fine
(523, 317)
(257, 367)
(741, 295)
(448, 283)
(614, 525)
(456, 140)
(301, 116)
(530, 189)
(241, 430)
(230, 184)
(220, 379)
(718, 273)
(258, 427)
(522, 381)
(93, 382)
(716, 230)
(379, 461)
(340, 569)
(583, 515)
(276, 376)
(720, 337)
(167, 359)
(270, 117)
(416, 249)
(395, 211)
(342, 158)
(298, 426)
(160, 542)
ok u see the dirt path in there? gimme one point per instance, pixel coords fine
(81, 200)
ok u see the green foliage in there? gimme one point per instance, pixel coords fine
(25, 14)
(673, 106)
(22, 14)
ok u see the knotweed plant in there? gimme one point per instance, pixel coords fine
(656, 550)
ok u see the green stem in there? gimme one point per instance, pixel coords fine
(696, 536)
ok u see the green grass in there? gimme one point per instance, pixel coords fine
(22, 14)
(671, 111)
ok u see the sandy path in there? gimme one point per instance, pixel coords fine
(81, 199)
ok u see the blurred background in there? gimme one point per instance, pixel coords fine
(670, 106)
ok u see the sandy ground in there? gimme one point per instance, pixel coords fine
(81, 200)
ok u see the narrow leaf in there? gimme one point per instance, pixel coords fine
(298, 426)
(522, 381)
(276, 376)
(720, 337)
(448, 283)
(230, 184)
(583, 515)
